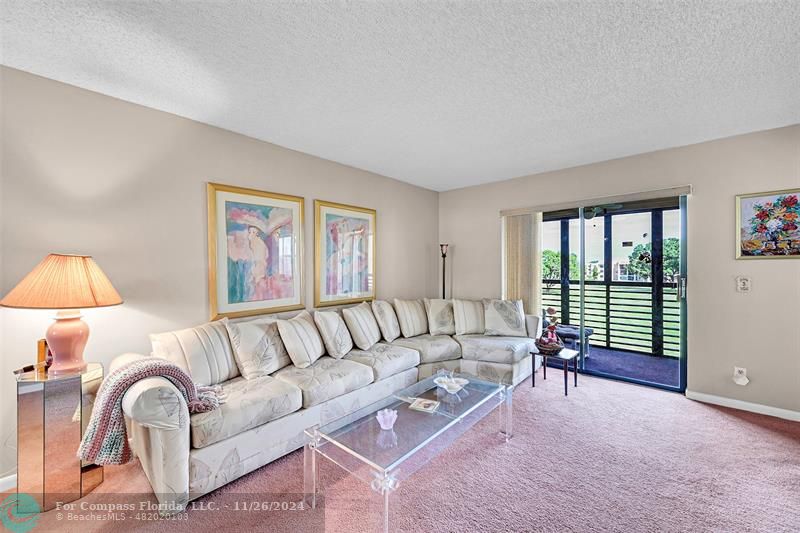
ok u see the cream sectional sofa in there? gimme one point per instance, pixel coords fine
(263, 416)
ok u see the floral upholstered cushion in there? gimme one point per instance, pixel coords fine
(257, 347)
(504, 318)
(387, 319)
(432, 348)
(507, 350)
(248, 403)
(327, 378)
(386, 360)
(301, 338)
(334, 333)
(440, 317)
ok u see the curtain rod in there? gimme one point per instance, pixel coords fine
(619, 198)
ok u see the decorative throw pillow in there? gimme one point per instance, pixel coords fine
(362, 325)
(334, 333)
(440, 317)
(302, 340)
(504, 317)
(257, 347)
(412, 317)
(468, 317)
(387, 319)
(204, 351)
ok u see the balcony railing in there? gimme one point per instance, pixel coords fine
(621, 314)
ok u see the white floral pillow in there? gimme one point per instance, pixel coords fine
(440, 317)
(504, 318)
(257, 347)
(302, 340)
(334, 333)
(387, 319)
(362, 325)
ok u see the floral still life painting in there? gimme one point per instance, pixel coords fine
(768, 225)
(345, 253)
(254, 251)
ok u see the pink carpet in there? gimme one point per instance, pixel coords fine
(610, 457)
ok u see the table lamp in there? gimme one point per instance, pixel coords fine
(65, 283)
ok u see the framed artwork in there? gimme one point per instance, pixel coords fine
(255, 244)
(767, 225)
(344, 266)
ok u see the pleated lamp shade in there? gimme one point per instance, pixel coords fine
(63, 282)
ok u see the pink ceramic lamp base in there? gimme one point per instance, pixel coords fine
(67, 338)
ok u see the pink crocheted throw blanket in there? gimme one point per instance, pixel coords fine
(106, 440)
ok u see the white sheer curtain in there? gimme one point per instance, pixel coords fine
(522, 260)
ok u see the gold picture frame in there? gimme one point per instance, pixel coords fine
(768, 225)
(337, 288)
(272, 222)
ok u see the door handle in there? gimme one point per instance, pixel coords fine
(681, 289)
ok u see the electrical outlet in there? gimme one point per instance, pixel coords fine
(743, 284)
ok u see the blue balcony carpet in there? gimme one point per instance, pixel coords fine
(661, 370)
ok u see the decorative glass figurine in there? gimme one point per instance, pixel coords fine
(386, 418)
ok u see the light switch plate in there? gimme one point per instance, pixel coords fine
(743, 284)
(740, 376)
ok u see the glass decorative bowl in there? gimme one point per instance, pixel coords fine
(451, 385)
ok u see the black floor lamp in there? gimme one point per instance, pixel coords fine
(443, 247)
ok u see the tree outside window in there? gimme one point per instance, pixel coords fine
(672, 260)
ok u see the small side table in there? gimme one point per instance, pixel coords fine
(566, 355)
(52, 415)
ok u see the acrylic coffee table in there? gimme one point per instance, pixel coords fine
(383, 458)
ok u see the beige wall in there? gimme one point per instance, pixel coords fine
(759, 330)
(86, 173)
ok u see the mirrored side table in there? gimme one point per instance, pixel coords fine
(52, 414)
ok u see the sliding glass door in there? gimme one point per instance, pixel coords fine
(616, 274)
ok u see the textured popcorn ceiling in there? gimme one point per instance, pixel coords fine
(439, 94)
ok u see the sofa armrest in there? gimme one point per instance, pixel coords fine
(533, 324)
(158, 420)
(152, 402)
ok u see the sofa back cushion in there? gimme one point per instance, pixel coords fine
(469, 317)
(257, 347)
(440, 317)
(387, 319)
(412, 317)
(334, 333)
(504, 318)
(203, 351)
(362, 325)
(302, 340)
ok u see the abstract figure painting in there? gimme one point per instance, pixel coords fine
(255, 251)
(344, 238)
(767, 225)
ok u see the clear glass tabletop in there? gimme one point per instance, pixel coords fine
(360, 436)
(412, 428)
(382, 457)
